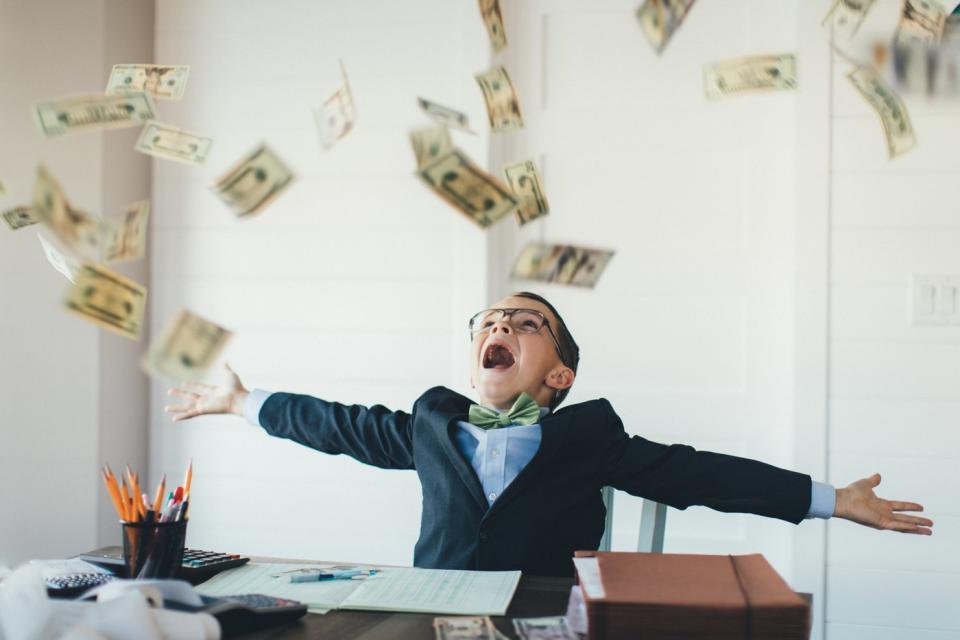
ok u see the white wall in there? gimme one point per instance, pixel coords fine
(893, 387)
(355, 285)
(71, 395)
(688, 332)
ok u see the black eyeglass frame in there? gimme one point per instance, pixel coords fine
(507, 313)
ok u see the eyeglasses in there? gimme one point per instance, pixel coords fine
(521, 320)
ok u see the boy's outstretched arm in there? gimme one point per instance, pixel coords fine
(681, 476)
(373, 435)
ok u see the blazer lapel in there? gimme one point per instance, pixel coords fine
(461, 464)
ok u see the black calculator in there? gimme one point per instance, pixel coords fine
(248, 612)
(72, 585)
(197, 565)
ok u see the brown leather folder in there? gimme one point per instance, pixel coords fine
(652, 596)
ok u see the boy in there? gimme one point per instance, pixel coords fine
(512, 484)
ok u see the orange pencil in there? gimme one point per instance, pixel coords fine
(187, 479)
(116, 489)
(127, 515)
(158, 500)
(135, 502)
(112, 491)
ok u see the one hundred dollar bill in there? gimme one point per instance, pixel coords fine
(493, 20)
(63, 264)
(561, 264)
(470, 189)
(555, 628)
(846, 16)
(921, 22)
(166, 81)
(79, 232)
(503, 105)
(336, 116)
(429, 143)
(445, 115)
(166, 141)
(125, 235)
(464, 628)
(108, 299)
(19, 217)
(186, 348)
(750, 74)
(253, 182)
(659, 19)
(93, 112)
(524, 180)
(888, 105)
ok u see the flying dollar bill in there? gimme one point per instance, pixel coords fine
(167, 81)
(464, 628)
(659, 19)
(336, 116)
(846, 16)
(493, 20)
(19, 217)
(561, 264)
(429, 143)
(187, 348)
(888, 106)
(503, 106)
(524, 181)
(79, 232)
(921, 22)
(166, 141)
(108, 299)
(445, 115)
(253, 182)
(750, 74)
(93, 112)
(67, 266)
(470, 189)
(125, 235)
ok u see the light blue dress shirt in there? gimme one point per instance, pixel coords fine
(499, 455)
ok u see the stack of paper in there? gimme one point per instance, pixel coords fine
(414, 590)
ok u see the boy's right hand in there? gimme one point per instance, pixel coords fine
(203, 399)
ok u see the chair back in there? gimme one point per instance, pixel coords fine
(653, 524)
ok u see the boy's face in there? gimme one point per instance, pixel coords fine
(506, 362)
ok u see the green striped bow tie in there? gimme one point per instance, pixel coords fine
(523, 412)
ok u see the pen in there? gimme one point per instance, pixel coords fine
(317, 576)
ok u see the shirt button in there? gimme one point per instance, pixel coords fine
(492, 496)
(494, 453)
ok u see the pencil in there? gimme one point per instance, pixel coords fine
(116, 489)
(126, 500)
(112, 491)
(158, 500)
(187, 479)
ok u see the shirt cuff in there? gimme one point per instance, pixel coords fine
(253, 404)
(823, 500)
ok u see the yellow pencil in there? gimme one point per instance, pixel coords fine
(116, 489)
(157, 501)
(112, 491)
(127, 515)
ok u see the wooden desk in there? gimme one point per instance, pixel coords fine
(535, 597)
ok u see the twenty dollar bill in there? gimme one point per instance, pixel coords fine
(524, 181)
(108, 299)
(19, 217)
(253, 182)
(166, 141)
(888, 105)
(493, 20)
(429, 143)
(754, 73)
(470, 189)
(93, 112)
(659, 19)
(77, 231)
(159, 80)
(503, 105)
(125, 235)
(187, 348)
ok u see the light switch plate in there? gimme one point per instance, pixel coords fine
(934, 300)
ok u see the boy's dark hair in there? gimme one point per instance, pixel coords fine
(569, 351)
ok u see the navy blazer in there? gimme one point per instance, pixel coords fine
(554, 506)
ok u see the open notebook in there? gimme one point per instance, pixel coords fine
(403, 589)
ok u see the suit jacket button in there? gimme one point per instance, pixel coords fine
(483, 536)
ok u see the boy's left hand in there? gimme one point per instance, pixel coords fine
(857, 502)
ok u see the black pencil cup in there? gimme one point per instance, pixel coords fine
(153, 550)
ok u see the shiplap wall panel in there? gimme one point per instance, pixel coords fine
(353, 285)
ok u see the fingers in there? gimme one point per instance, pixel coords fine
(906, 527)
(925, 522)
(180, 408)
(905, 506)
(180, 393)
(186, 415)
(197, 387)
(874, 480)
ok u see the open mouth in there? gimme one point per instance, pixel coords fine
(498, 356)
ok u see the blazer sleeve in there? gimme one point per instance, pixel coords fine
(373, 435)
(679, 476)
